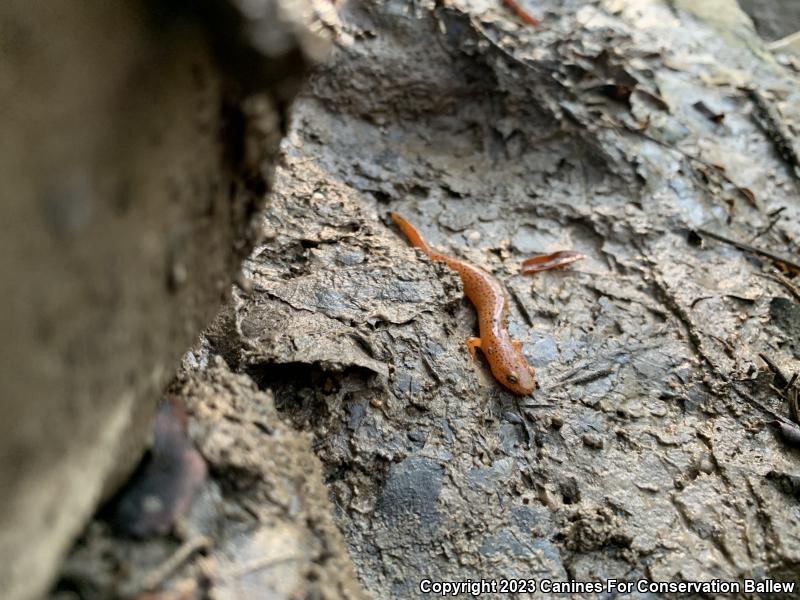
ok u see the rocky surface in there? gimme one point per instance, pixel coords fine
(649, 451)
(773, 19)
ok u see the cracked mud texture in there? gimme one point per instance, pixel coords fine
(650, 450)
(130, 191)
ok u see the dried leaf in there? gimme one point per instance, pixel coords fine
(550, 261)
(521, 12)
(162, 490)
(748, 194)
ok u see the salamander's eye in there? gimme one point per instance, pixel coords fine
(512, 378)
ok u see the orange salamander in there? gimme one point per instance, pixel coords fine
(506, 361)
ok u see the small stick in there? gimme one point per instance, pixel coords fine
(787, 264)
(785, 281)
(158, 576)
(581, 379)
(259, 564)
(775, 216)
(780, 379)
(768, 118)
(763, 408)
(720, 172)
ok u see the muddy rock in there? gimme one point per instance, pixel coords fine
(129, 195)
(641, 454)
(773, 19)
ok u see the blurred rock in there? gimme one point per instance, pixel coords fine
(773, 18)
(130, 196)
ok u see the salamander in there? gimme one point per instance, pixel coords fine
(504, 355)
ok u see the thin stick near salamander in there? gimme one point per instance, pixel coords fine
(504, 355)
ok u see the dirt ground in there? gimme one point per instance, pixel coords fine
(660, 444)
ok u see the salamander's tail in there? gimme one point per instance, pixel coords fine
(414, 238)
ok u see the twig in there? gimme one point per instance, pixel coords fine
(781, 379)
(771, 122)
(762, 407)
(775, 216)
(523, 310)
(779, 260)
(581, 378)
(746, 195)
(159, 575)
(785, 388)
(259, 564)
(785, 281)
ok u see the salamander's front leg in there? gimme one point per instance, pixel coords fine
(472, 344)
(517, 345)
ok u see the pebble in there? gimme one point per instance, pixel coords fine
(592, 440)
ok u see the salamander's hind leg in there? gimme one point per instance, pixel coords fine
(517, 345)
(472, 344)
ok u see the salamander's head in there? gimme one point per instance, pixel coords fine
(515, 373)
(520, 379)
